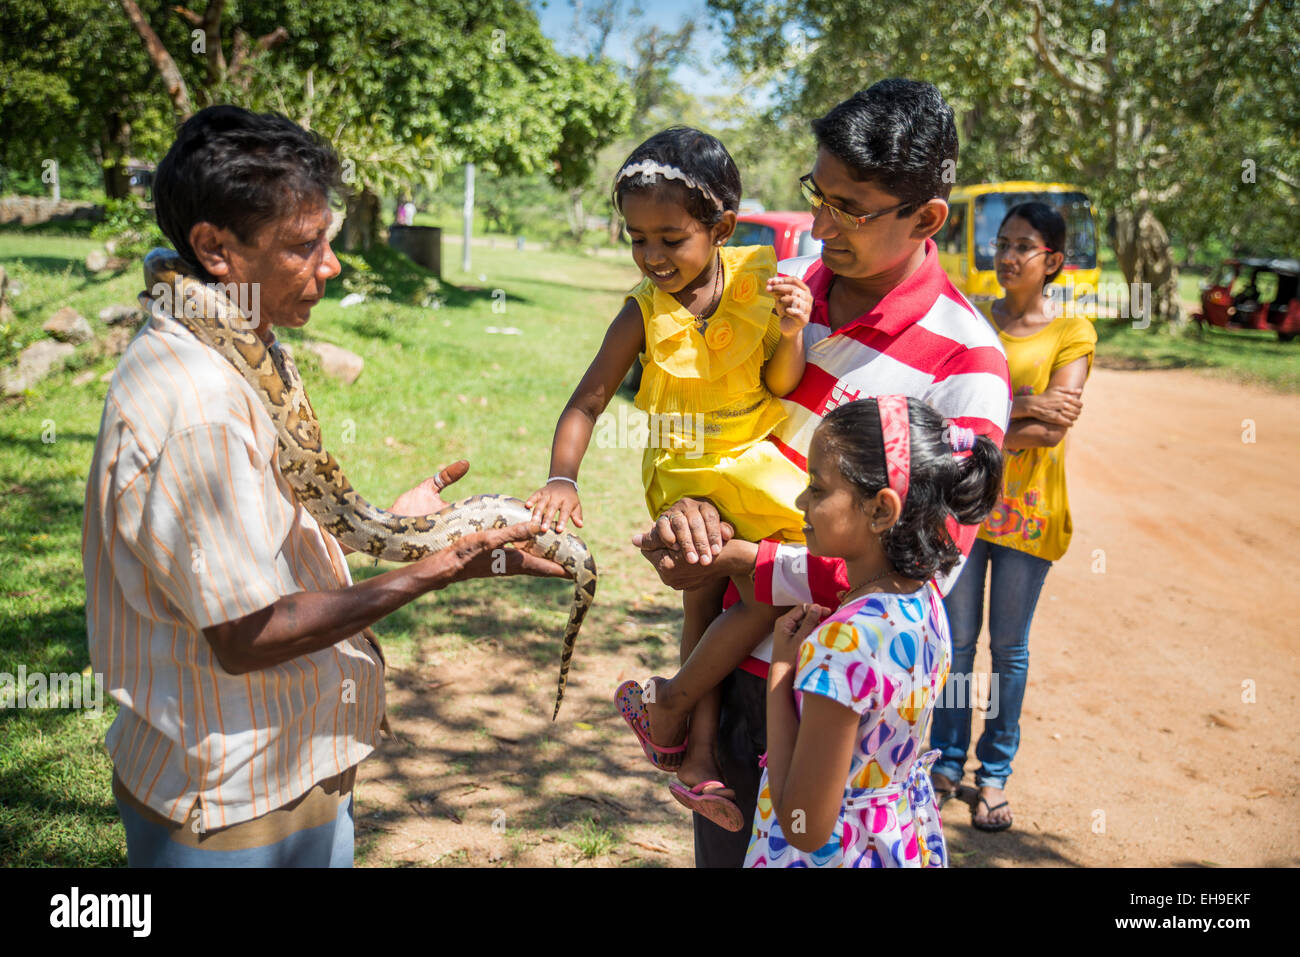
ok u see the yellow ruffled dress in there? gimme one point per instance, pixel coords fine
(710, 412)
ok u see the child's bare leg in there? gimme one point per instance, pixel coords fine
(699, 607)
(694, 691)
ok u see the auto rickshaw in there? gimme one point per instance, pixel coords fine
(1254, 293)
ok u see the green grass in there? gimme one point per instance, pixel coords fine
(436, 387)
(590, 838)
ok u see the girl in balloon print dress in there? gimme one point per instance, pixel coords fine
(850, 693)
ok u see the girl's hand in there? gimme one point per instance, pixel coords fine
(792, 628)
(553, 497)
(793, 302)
(1056, 405)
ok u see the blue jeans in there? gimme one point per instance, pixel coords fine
(1017, 580)
(326, 845)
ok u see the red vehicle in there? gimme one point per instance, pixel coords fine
(1255, 293)
(790, 234)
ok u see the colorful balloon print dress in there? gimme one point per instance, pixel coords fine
(885, 656)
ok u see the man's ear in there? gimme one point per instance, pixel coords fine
(724, 227)
(930, 218)
(211, 245)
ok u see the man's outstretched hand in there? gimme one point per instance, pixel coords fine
(425, 499)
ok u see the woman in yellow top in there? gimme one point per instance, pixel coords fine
(1049, 358)
(720, 336)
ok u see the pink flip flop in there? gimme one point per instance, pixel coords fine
(722, 811)
(628, 697)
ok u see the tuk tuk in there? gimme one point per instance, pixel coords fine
(967, 239)
(1254, 293)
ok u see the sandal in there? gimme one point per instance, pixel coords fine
(944, 795)
(994, 827)
(628, 697)
(703, 800)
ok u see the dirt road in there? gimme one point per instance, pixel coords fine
(1161, 719)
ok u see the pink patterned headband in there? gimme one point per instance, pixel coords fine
(896, 431)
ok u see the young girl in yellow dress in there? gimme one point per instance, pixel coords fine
(720, 336)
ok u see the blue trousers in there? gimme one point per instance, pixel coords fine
(149, 844)
(1014, 586)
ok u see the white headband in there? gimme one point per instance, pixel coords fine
(649, 169)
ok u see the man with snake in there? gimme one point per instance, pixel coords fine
(219, 609)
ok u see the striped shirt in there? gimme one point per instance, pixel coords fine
(922, 340)
(188, 524)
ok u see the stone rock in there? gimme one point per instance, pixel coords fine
(107, 376)
(96, 260)
(84, 378)
(122, 315)
(338, 363)
(35, 363)
(34, 210)
(68, 325)
(118, 338)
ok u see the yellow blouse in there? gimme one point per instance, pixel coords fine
(1033, 514)
(715, 374)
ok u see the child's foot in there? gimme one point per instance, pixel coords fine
(696, 771)
(667, 726)
(632, 705)
(992, 811)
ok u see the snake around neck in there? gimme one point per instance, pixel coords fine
(315, 475)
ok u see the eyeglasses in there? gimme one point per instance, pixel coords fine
(1000, 247)
(842, 219)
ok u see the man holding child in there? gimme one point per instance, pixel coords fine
(885, 320)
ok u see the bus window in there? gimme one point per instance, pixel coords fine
(954, 238)
(1080, 236)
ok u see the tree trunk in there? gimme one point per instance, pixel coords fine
(162, 61)
(115, 148)
(615, 226)
(361, 224)
(1143, 255)
(577, 217)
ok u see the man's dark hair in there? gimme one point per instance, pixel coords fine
(238, 170)
(895, 135)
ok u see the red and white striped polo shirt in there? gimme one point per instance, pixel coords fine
(924, 340)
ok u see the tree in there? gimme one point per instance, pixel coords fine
(1114, 96)
(73, 85)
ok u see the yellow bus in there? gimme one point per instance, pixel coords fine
(974, 215)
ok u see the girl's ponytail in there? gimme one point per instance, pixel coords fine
(979, 483)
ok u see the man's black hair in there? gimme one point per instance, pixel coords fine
(238, 170)
(896, 135)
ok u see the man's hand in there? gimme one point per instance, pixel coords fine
(690, 527)
(484, 555)
(424, 498)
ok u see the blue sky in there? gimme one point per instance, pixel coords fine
(707, 75)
